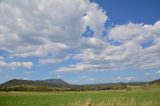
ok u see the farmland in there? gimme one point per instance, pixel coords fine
(134, 97)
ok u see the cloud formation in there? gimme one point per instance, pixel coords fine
(13, 65)
(46, 29)
(49, 29)
(138, 48)
(158, 72)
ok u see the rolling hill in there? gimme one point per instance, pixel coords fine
(46, 83)
(155, 82)
(59, 84)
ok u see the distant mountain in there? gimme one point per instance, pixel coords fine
(46, 83)
(60, 85)
(155, 82)
(55, 82)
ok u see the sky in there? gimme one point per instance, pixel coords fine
(80, 41)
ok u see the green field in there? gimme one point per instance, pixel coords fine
(150, 97)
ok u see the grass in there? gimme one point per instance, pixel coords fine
(137, 97)
(115, 102)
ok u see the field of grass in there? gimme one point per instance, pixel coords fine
(137, 97)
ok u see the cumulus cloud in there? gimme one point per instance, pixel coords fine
(49, 29)
(158, 72)
(14, 65)
(138, 33)
(147, 74)
(91, 42)
(132, 53)
(80, 67)
(46, 29)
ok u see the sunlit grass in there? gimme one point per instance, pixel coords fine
(133, 97)
(114, 102)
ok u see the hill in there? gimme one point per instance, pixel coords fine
(46, 83)
(60, 85)
(155, 82)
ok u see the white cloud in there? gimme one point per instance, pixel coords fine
(59, 76)
(25, 78)
(134, 32)
(55, 58)
(147, 74)
(83, 67)
(130, 78)
(125, 32)
(91, 42)
(158, 72)
(129, 55)
(46, 29)
(14, 65)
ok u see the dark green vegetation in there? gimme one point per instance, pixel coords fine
(155, 82)
(65, 98)
(48, 83)
(29, 85)
(60, 85)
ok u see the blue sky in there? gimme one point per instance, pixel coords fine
(97, 41)
(137, 11)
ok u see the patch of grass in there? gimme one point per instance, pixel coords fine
(138, 97)
(115, 102)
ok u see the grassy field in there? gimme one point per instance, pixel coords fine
(139, 97)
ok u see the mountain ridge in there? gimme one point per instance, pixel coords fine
(59, 84)
(47, 83)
